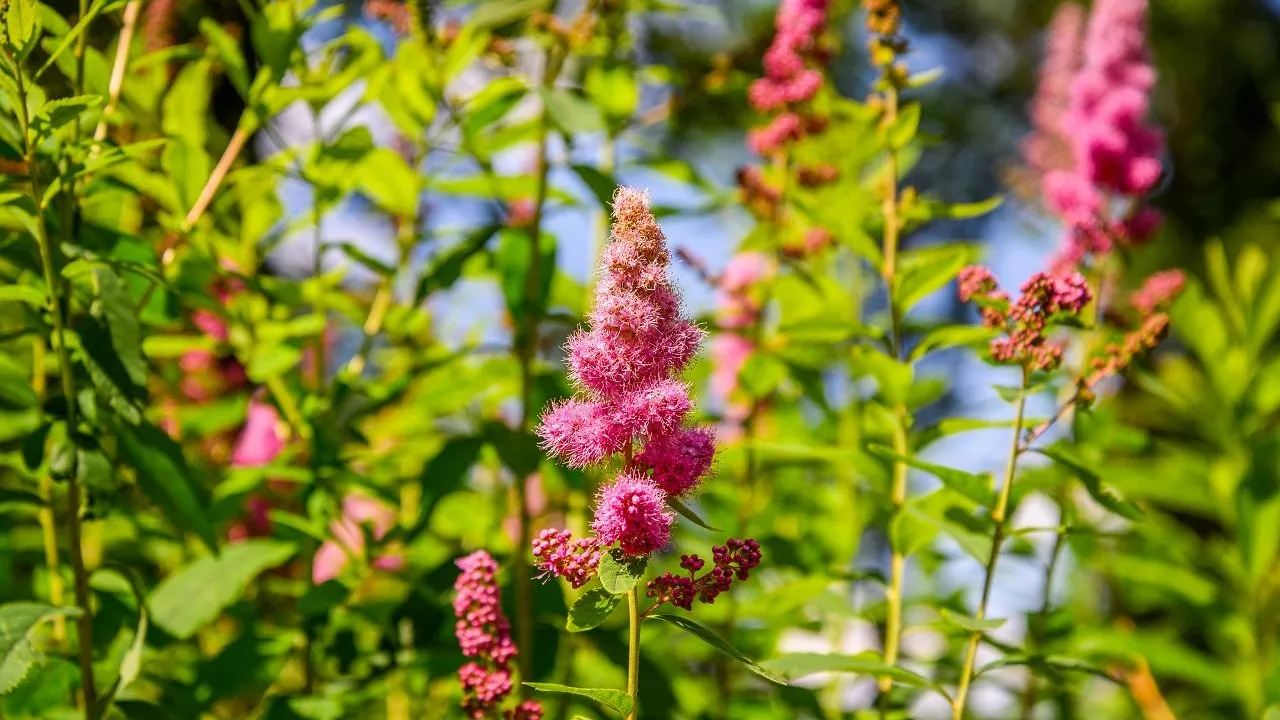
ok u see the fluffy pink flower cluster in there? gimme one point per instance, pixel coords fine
(1115, 153)
(484, 633)
(789, 80)
(1045, 298)
(627, 367)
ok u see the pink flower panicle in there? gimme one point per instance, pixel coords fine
(627, 368)
(732, 561)
(1114, 152)
(484, 634)
(1117, 356)
(1045, 299)
(632, 512)
(558, 554)
(792, 75)
(359, 513)
(1158, 291)
(1047, 148)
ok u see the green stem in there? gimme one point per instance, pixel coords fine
(1036, 644)
(84, 622)
(898, 492)
(633, 651)
(998, 516)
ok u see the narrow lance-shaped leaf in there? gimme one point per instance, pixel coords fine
(1101, 494)
(974, 487)
(615, 700)
(798, 665)
(719, 644)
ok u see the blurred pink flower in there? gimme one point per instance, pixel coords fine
(260, 440)
(358, 512)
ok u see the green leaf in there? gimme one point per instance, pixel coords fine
(21, 26)
(761, 374)
(389, 181)
(974, 487)
(354, 252)
(702, 633)
(893, 378)
(165, 478)
(18, 654)
(518, 449)
(600, 184)
(688, 514)
(445, 269)
(57, 113)
(23, 497)
(131, 663)
(228, 48)
(903, 130)
(107, 371)
(94, 10)
(619, 573)
(1101, 494)
(794, 666)
(446, 472)
(1053, 663)
(117, 309)
(971, 624)
(514, 260)
(196, 594)
(570, 112)
(24, 294)
(615, 700)
(951, 336)
(16, 392)
(923, 271)
(594, 607)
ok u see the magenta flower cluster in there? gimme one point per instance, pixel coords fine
(627, 368)
(790, 78)
(484, 634)
(1115, 153)
(1046, 299)
(732, 561)
(1047, 148)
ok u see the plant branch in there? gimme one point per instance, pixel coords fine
(116, 84)
(633, 651)
(999, 517)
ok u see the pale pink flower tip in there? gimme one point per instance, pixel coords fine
(679, 461)
(260, 440)
(1159, 290)
(358, 512)
(632, 512)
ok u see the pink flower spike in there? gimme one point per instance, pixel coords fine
(1158, 291)
(633, 513)
(581, 432)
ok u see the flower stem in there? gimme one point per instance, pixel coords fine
(898, 493)
(84, 622)
(48, 522)
(998, 516)
(1037, 637)
(633, 651)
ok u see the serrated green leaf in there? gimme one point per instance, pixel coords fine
(615, 700)
(196, 594)
(122, 324)
(592, 608)
(619, 572)
(165, 478)
(107, 370)
(797, 665)
(971, 624)
(58, 113)
(18, 654)
(719, 644)
(687, 513)
(923, 271)
(952, 336)
(1101, 494)
(974, 487)
(22, 28)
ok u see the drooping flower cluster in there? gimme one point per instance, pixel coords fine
(1115, 153)
(358, 513)
(1046, 299)
(738, 306)
(792, 76)
(733, 560)
(627, 367)
(484, 634)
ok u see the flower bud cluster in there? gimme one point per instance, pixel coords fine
(1046, 300)
(732, 561)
